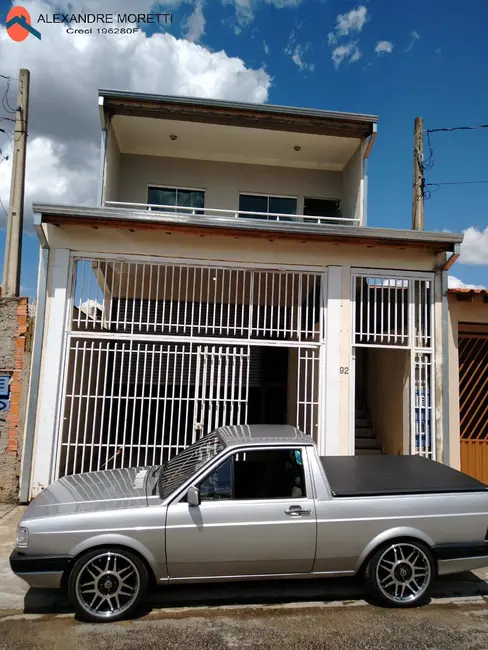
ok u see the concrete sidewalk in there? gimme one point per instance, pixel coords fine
(12, 589)
(15, 596)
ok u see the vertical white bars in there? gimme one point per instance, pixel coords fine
(153, 298)
(393, 311)
(307, 390)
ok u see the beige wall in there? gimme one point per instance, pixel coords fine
(112, 168)
(220, 249)
(222, 182)
(352, 187)
(459, 312)
(387, 382)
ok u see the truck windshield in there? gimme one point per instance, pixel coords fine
(180, 468)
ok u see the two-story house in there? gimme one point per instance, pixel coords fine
(228, 275)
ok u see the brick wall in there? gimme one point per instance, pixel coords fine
(14, 361)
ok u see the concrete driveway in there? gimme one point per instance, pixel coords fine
(291, 614)
(311, 627)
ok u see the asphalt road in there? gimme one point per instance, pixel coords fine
(305, 627)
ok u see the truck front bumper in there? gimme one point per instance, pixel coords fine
(44, 571)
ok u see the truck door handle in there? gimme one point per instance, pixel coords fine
(296, 511)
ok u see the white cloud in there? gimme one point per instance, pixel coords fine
(474, 249)
(455, 283)
(298, 60)
(195, 23)
(297, 53)
(383, 47)
(348, 52)
(415, 36)
(265, 47)
(66, 71)
(353, 21)
(245, 9)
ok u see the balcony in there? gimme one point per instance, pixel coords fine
(248, 162)
(219, 213)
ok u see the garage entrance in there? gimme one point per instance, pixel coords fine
(473, 399)
(158, 354)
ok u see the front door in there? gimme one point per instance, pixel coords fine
(221, 387)
(256, 517)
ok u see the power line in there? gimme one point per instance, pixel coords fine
(457, 183)
(8, 136)
(457, 128)
(5, 102)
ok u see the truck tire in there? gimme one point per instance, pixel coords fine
(401, 573)
(107, 584)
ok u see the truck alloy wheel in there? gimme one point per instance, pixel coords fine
(107, 584)
(401, 573)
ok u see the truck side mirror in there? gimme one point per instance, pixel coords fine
(193, 496)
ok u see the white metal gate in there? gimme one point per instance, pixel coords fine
(221, 388)
(396, 310)
(156, 354)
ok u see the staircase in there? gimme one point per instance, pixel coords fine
(365, 440)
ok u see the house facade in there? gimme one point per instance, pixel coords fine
(228, 275)
(468, 380)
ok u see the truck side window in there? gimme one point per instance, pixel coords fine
(218, 485)
(269, 474)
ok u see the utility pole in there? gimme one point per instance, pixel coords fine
(13, 242)
(418, 176)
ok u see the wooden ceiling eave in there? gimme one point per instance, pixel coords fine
(240, 234)
(240, 118)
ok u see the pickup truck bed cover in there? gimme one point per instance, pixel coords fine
(356, 476)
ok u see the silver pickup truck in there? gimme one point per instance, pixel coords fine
(252, 502)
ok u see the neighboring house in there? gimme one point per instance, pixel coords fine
(238, 281)
(468, 380)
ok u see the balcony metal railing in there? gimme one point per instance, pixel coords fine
(236, 214)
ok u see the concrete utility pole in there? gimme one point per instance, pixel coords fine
(418, 176)
(13, 242)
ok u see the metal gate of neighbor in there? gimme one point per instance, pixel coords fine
(396, 310)
(473, 399)
(157, 354)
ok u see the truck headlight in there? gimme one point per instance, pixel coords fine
(22, 537)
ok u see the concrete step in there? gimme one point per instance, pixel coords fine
(368, 452)
(367, 443)
(364, 433)
(363, 422)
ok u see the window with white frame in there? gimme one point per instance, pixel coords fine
(267, 205)
(189, 201)
(317, 207)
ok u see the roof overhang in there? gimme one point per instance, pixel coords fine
(65, 215)
(469, 295)
(211, 111)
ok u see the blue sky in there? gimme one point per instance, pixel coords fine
(436, 69)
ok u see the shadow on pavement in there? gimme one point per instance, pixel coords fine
(49, 601)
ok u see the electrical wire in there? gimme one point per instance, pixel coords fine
(458, 183)
(8, 136)
(428, 163)
(457, 128)
(5, 102)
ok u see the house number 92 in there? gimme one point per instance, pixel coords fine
(344, 370)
